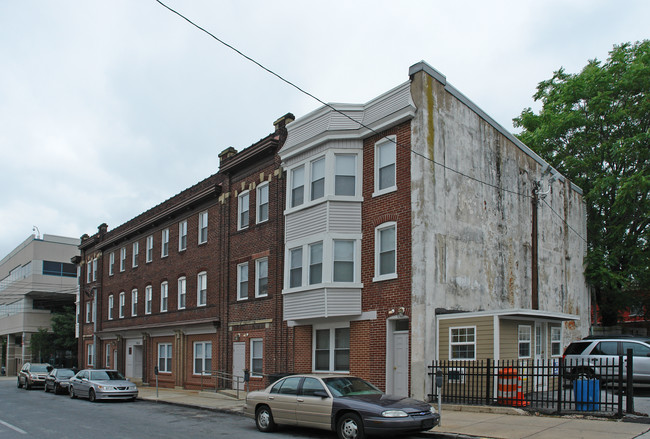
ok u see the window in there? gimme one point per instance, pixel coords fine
(310, 386)
(297, 186)
(242, 281)
(343, 261)
(89, 312)
(91, 355)
(257, 363)
(332, 350)
(202, 289)
(134, 302)
(263, 202)
(122, 305)
(163, 296)
(242, 216)
(295, 267)
(203, 227)
(316, 263)
(148, 299)
(385, 165)
(164, 245)
(385, 251)
(165, 357)
(136, 250)
(181, 293)
(182, 235)
(149, 248)
(110, 307)
(89, 267)
(202, 358)
(345, 174)
(111, 263)
(94, 269)
(318, 179)
(462, 344)
(556, 341)
(122, 258)
(261, 277)
(50, 268)
(524, 337)
(107, 362)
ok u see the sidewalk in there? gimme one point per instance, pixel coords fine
(457, 421)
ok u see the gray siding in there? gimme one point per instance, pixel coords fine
(325, 302)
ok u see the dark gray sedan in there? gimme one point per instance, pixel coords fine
(58, 379)
(96, 384)
(348, 405)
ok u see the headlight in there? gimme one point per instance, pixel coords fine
(394, 414)
(105, 387)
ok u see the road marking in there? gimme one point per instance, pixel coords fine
(6, 424)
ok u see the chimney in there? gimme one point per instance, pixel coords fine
(226, 154)
(103, 228)
(281, 126)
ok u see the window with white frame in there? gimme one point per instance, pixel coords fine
(134, 302)
(110, 307)
(262, 202)
(343, 268)
(148, 299)
(331, 349)
(297, 186)
(91, 355)
(317, 178)
(123, 259)
(149, 255)
(257, 359)
(181, 293)
(111, 263)
(345, 172)
(295, 267)
(538, 339)
(242, 210)
(203, 227)
(89, 269)
(556, 341)
(316, 263)
(164, 294)
(242, 281)
(94, 309)
(261, 277)
(202, 289)
(165, 357)
(89, 312)
(524, 334)
(94, 269)
(107, 361)
(136, 251)
(182, 235)
(386, 251)
(202, 358)
(385, 165)
(462, 343)
(164, 244)
(122, 304)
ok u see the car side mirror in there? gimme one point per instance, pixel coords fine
(49, 368)
(321, 394)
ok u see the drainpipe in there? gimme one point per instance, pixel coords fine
(534, 250)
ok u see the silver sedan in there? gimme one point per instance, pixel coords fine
(96, 384)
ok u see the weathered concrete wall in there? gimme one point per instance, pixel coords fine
(472, 223)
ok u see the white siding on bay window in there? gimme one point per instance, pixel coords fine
(322, 302)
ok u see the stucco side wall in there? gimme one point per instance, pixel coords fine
(472, 222)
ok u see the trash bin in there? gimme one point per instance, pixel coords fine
(587, 394)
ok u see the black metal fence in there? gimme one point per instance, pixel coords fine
(555, 386)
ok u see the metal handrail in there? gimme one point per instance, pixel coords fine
(221, 375)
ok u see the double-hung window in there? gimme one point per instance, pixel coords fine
(108, 356)
(386, 251)
(332, 350)
(111, 263)
(202, 358)
(262, 202)
(136, 251)
(202, 289)
(385, 165)
(91, 355)
(182, 235)
(94, 269)
(203, 227)
(524, 336)
(242, 210)
(297, 186)
(242, 281)
(123, 259)
(262, 277)
(343, 269)
(148, 299)
(463, 343)
(556, 341)
(122, 304)
(89, 268)
(295, 267)
(164, 294)
(345, 172)
(134, 302)
(164, 244)
(181, 293)
(165, 357)
(317, 179)
(257, 357)
(316, 263)
(110, 307)
(149, 248)
(89, 309)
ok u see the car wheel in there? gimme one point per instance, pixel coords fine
(91, 395)
(45, 388)
(57, 389)
(350, 426)
(71, 392)
(28, 386)
(20, 386)
(264, 419)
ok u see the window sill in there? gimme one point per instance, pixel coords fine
(384, 191)
(384, 277)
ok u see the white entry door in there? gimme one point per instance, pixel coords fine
(400, 363)
(238, 362)
(133, 363)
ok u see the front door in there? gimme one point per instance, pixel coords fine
(400, 363)
(238, 362)
(540, 347)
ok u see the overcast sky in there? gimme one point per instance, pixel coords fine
(108, 108)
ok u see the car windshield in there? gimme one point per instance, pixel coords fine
(348, 386)
(38, 368)
(65, 373)
(102, 375)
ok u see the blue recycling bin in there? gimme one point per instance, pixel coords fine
(587, 394)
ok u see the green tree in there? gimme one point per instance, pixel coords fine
(41, 345)
(594, 127)
(63, 324)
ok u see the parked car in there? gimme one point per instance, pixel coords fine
(97, 384)
(591, 356)
(33, 374)
(347, 405)
(57, 380)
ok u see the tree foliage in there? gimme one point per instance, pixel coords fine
(594, 127)
(41, 345)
